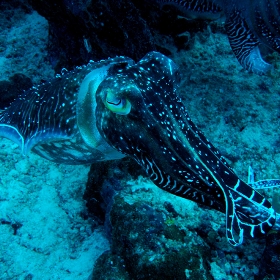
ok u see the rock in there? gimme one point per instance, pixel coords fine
(149, 247)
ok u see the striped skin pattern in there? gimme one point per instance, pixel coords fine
(249, 23)
(158, 133)
(115, 108)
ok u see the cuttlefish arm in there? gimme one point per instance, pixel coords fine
(140, 113)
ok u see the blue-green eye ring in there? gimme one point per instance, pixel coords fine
(117, 105)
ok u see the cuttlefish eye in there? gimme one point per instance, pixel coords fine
(118, 105)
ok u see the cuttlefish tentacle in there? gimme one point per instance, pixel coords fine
(158, 133)
(113, 108)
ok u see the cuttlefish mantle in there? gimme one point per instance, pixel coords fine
(57, 119)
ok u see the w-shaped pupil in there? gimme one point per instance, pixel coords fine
(112, 103)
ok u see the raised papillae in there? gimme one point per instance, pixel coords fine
(115, 108)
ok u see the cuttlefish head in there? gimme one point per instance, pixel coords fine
(140, 114)
(135, 107)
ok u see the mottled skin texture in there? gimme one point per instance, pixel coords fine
(115, 108)
(249, 23)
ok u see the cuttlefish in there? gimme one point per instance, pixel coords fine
(249, 23)
(114, 108)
